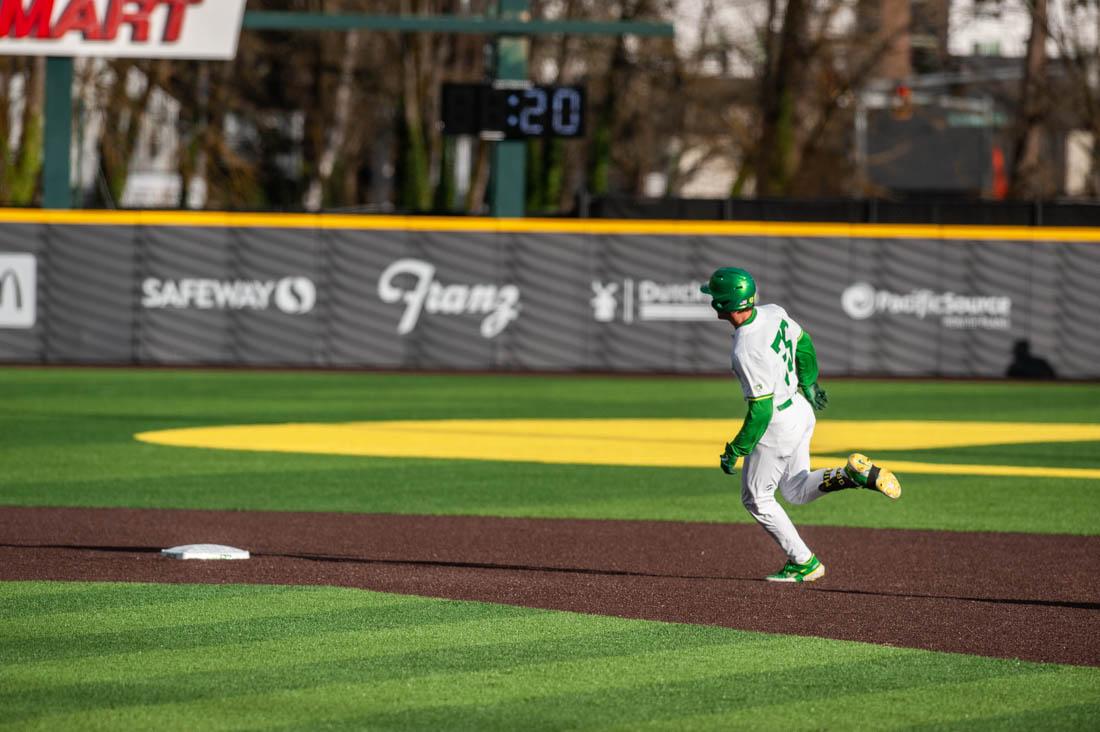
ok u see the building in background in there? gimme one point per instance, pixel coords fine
(935, 114)
(952, 126)
(890, 98)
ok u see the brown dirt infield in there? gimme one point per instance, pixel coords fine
(1026, 596)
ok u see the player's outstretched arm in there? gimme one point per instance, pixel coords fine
(805, 365)
(757, 419)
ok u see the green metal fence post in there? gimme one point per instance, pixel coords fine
(509, 171)
(56, 191)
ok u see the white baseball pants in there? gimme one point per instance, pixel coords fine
(782, 460)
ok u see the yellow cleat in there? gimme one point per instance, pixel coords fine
(867, 474)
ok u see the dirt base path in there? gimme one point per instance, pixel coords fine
(1025, 596)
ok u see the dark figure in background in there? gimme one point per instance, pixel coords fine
(1027, 366)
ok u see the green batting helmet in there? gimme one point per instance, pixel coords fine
(731, 289)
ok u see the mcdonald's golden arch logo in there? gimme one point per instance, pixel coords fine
(18, 290)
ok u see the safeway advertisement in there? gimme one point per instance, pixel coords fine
(199, 29)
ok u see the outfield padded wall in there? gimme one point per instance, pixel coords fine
(312, 290)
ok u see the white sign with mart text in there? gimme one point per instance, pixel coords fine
(198, 29)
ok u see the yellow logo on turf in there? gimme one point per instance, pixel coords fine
(671, 443)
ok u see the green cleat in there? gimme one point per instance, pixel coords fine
(867, 474)
(791, 572)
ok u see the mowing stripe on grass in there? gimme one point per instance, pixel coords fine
(632, 687)
(1064, 717)
(241, 631)
(164, 614)
(956, 503)
(79, 598)
(734, 700)
(196, 686)
(527, 490)
(961, 699)
(1049, 699)
(293, 647)
(611, 675)
(461, 665)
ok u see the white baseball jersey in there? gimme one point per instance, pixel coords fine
(763, 358)
(763, 355)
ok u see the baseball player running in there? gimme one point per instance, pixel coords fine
(775, 361)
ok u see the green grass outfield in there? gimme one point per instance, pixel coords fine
(109, 656)
(106, 656)
(68, 441)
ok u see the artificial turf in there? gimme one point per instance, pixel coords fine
(69, 441)
(125, 656)
(134, 656)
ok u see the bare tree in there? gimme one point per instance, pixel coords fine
(337, 130)
(782, 78)
(1025, 179)
(1073, 79)
(124, 89)
(22, 83)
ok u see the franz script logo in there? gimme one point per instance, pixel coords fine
(18, 290)
(412, 282)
